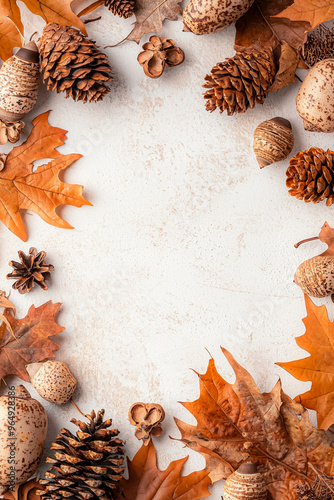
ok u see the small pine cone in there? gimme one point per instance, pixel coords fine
(310, 176)
(122, 8)
(30, 271)
(87, 465)
(72, 63)
(240, 82)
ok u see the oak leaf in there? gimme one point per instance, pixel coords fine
(39, 190)
(314, 12)
(237, 423)
(9, 8)
(150, 15)
(146, 481)
(29, 341)
(318, 341)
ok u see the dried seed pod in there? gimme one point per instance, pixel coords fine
(18, 83)
(315, 276)
(158, 53)
(273, 141)
(246, 484)
(53, 381)
(147, 418)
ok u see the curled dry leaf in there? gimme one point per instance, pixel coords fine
(236, 423)
(314, 12)
(147, 418)
(39, 190)
(150, 15)
(318, 341)
(28, 341)
(287, 65)
(146, 481)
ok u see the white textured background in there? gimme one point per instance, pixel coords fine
(189, 244)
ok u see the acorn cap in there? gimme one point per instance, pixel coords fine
(28, 53)
(247, 468)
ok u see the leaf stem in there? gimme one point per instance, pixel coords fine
(76, 407)
(305, 241)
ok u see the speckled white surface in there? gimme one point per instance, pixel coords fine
(189, 245)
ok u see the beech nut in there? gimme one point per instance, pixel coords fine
(273, 141)
(147, 418)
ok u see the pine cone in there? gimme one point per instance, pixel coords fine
(158, 53)
(73, 64)
(310, 176)
(32, 270)
(86, 466)
(122, 8)
(240, 82)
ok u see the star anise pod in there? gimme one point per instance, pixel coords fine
(30, 271)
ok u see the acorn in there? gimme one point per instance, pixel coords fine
(315, 276)
(315, 99)
(273, 141)
(23, 426)
(53, 381)
(246, 483)
(18, 85)
(203, 17)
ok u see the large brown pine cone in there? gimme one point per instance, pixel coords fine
(310, 176)
(87, 465)
(240, 82)
(122, 8)
(72, 63)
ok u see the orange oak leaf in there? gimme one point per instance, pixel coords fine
(10, 37)
(237, 423)
(314, 12)
(146, 481)
(39, 190)
(9, 8)
(318, 341)
(29, 340)
(150, 15)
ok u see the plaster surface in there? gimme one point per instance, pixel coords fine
(189, 246)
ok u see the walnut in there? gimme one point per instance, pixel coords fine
(147, 418)
(158, 53)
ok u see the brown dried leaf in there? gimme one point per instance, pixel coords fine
(30, 342)
(258, 27)
(287, 65)
(237, 423)
(314, 12)
(146, 481)
(9, 8)
(150, 15)
(55, 11)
